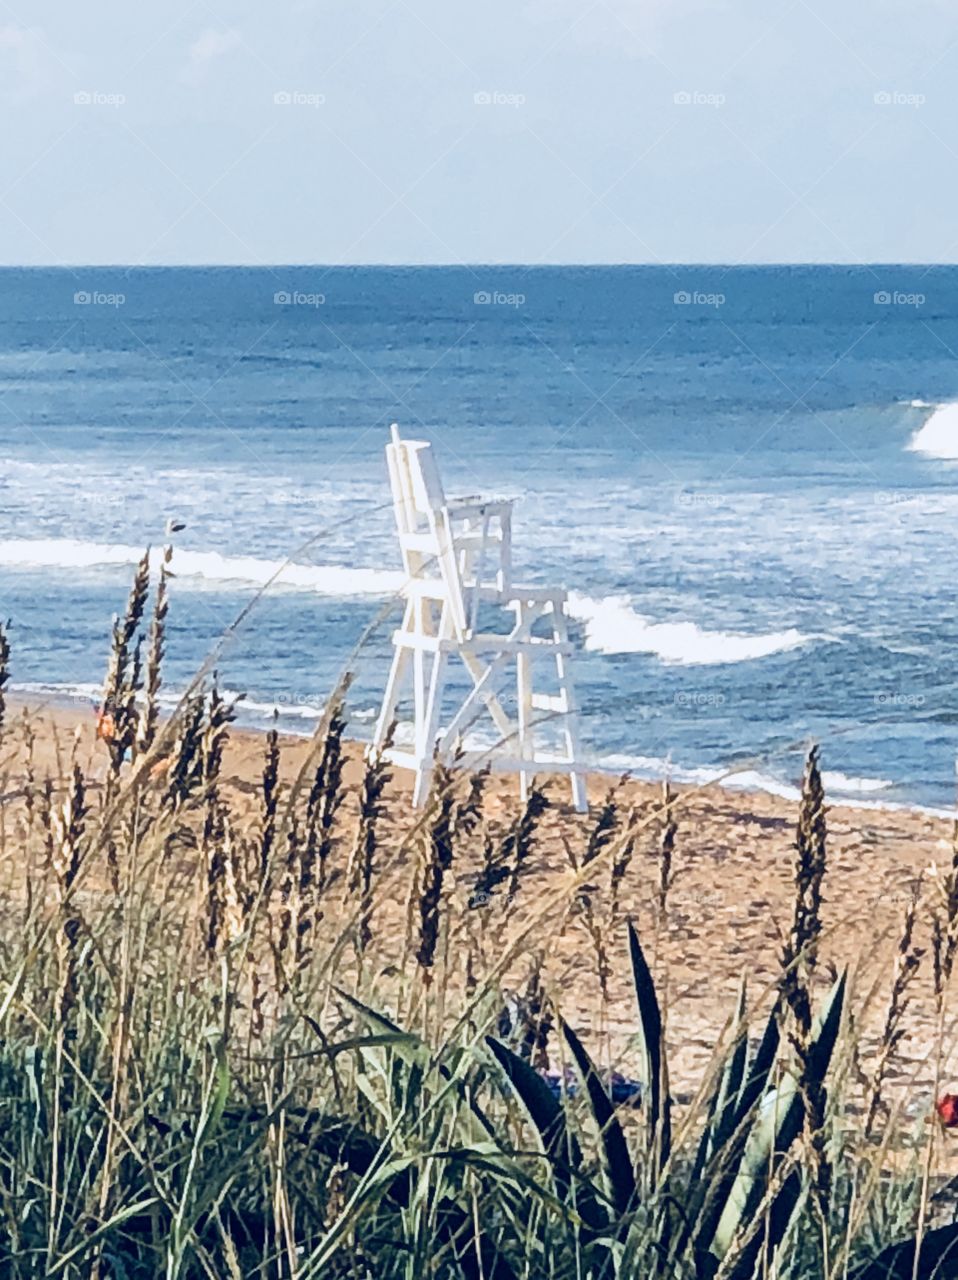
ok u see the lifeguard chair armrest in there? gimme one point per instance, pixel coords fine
(474, 504)
(534, 595)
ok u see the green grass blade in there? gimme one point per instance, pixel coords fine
(544, 1111)
(617, 1159)
(655, 1101)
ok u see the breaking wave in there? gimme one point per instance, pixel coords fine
(209, 567)
(612, 626)
(938, 438)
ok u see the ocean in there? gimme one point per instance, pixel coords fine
(746, 477)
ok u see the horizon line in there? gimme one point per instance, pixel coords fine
(465, 266)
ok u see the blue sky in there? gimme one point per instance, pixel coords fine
(508, 131)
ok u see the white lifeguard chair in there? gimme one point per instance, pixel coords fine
(457, 557)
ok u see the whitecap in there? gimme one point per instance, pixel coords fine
(79, 692)
(613, 626)
(211, 567)
(938, 438)
(654, 768)
(836, 781)
(62, 691)
(295, 710)
(753, 780)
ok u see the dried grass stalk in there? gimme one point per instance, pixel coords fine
(4, 669)
(117, 719)
(149, 714)
(798, 963)
(362, 860)
(67, 827)
(519, 841)
(270, 804)
(325, 798)
(667, 831)
(436, 860)
(944, 924)
(907, 962)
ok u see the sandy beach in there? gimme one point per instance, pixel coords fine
(727, 909)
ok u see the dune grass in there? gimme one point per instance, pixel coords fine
(216, 1062)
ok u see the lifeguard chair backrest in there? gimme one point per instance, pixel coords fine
(422, 521)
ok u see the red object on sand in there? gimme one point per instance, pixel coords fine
(105, 726)
(947, 1108)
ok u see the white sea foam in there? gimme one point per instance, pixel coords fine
(837, 785)
(295, 710)
(835, 781)
(754, 780)
(79, 692)
(938, 437)
(168, 698)
(655, 767)
(613, 626)
(840, 789)
(208, 567)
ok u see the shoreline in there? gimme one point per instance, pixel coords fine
(19, 698)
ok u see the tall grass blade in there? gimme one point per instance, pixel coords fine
(618, 1161)
(655, 1101)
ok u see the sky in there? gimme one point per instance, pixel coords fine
(433, 131)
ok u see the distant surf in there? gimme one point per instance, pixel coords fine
(211, 567)
(938, 438)
(849, 792)
(613, 626)
(837, 781)
(85, 693)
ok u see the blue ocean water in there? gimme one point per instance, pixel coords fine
(746, 477)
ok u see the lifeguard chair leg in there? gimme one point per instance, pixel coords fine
(570, 718)
(387, 712)
(526, 744)
(428, 731)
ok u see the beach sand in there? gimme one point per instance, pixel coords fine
(727, 911)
